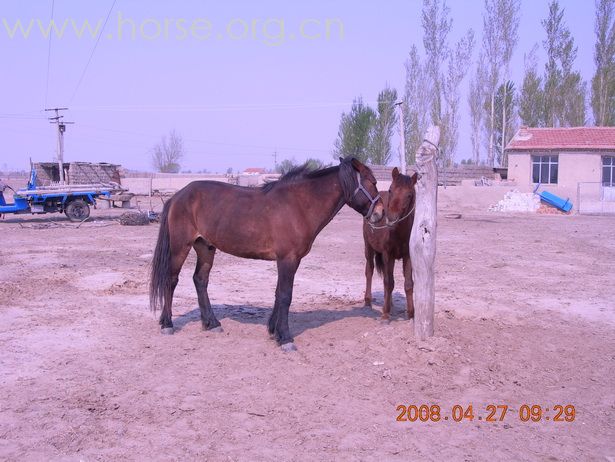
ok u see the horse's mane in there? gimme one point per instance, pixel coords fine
(346, 172)
(296, 174)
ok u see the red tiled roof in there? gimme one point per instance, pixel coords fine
(572, 138)
(254, 170)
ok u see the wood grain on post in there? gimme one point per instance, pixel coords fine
(423, 236)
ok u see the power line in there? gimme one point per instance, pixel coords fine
(49, 56)
(214, 143)
(93, 50)
(215, 108)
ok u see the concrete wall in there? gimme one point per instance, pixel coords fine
(574, 168)
(172, 182)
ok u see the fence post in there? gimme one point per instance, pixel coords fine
(423, 236)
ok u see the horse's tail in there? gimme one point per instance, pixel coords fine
(160, 277)
(379, 263)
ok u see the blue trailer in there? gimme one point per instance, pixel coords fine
(72, 200)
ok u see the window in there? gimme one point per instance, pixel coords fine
(544, 169)
(608, 171)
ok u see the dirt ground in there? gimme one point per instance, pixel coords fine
(525, 315)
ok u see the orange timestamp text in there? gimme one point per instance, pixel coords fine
(488, 413)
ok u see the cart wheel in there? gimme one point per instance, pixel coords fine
(77, 210)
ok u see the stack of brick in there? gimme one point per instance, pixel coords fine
(77, 173)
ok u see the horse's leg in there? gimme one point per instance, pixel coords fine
(409, 286)
(273, 319)
(283, 298)
(369, 273)
(179, 252)
(389, 284)
(205, 260)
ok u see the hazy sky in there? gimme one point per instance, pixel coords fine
(237, 79)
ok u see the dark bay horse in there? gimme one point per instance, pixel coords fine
(389, 240)
(278, 221)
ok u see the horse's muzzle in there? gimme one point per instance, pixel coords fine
(377, 213)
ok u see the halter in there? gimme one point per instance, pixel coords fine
(393, 223)
(371, 199)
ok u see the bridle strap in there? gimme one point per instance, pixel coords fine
(371, 199)
(393, 223)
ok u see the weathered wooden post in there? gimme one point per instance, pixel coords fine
(423, 236)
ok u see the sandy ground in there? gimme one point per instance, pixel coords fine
(525, 315)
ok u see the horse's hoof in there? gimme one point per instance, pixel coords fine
(288, 347)
(166, 331)
(217, 329)
(385, 321)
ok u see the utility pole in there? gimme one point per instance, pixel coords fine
(275, 160)
(402, 138)
(61, 129)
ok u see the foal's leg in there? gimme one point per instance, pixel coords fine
(409, 285)
(283, 298)
(369, 273)
(205, 260)
(179, 252)
(389, 284)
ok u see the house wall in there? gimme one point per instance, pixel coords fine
(574, 168)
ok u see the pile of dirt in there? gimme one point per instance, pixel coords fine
(515, 201)
(134, 219)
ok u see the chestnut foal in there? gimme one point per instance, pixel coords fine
(389, 240)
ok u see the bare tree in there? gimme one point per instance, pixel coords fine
(437, 24)
(476, 99)
(457, 69)
(500, 34)
(416, 104)
(603, 83)
(167, 154)
(444, 90)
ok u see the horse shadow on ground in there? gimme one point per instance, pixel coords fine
(300, 321)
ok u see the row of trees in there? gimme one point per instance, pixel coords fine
(555, 97)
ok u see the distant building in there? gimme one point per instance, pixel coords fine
(254, 171)
(575, 162)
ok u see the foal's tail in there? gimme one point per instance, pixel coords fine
(160, 277)
(379, 263)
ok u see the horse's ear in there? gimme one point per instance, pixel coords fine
(414, 178)
(395, 173)
(358, 166)
(341, 160)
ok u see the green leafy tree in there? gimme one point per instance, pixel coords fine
(531, 104)
(564, 90)
(603, 83)
(353, 136)
(382, 129)
(311, 164)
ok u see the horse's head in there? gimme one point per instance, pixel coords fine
(401, 197)
(360, 191)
